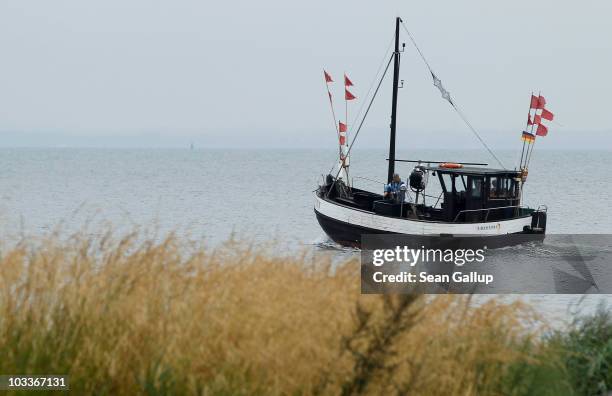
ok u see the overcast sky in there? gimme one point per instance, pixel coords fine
(249, 73)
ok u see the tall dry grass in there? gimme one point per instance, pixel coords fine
(124, 317)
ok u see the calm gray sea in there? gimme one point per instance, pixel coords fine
(257, 194)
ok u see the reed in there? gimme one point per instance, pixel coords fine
(124, 317)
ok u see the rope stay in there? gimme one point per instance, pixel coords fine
(446, 96)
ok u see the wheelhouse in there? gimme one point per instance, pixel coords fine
(473, 194)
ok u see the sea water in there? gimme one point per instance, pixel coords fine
(263, 195)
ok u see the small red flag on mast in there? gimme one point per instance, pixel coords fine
(328, 78)
(541, 102)
(542, 130)
(348, 95)
(347, 82)
(342, 130)
(537, 102)
(547, 115)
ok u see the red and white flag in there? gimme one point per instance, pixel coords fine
(328, 78)
(348, 95)
(541, 102)
(542, 130)
(342, 130)
(347, 82)
(537, 102)
(547, 115)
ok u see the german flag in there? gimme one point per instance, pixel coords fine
(528, 137)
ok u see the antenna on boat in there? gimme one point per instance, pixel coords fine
(396, 66)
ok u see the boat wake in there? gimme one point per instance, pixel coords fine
(560, 247)
(325, 243)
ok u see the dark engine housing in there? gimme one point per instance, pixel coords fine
(416, 179)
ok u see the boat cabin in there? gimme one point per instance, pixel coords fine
(468, 195)
(475, 194)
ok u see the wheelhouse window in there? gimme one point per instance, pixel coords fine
(460, 185)
(446, 181)
(502, 187)
(476, 187)
(506, 188)
(494, 187)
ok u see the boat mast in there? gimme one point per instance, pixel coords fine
(396, 65)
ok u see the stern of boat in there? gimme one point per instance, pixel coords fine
(538, 220)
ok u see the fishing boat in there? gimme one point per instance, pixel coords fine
(475, 201)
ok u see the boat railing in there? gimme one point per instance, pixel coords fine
(487, 210)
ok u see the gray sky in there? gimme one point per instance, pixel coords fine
(248, 73)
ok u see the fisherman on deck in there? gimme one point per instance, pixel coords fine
(396, 190)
